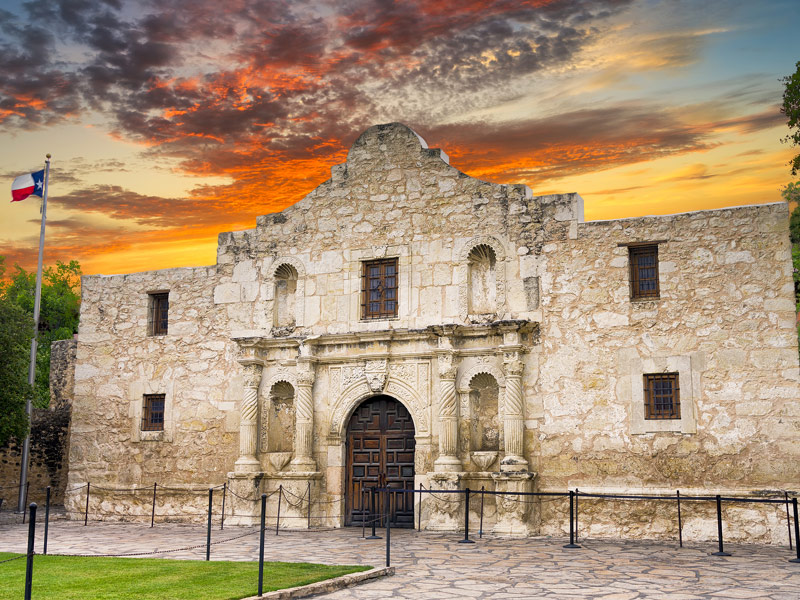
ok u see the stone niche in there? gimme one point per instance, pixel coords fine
(484, 395)
(280, 428)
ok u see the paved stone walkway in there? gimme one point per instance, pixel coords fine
(435, 566)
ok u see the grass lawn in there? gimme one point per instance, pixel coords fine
(88, 578)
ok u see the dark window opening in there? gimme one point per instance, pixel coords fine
(379, 289)
(662, 399)
(153, 414)
(644, 271)
(158, 314)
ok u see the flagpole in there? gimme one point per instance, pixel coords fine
(26, 445)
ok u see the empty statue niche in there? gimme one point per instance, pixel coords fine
(483, 396)
(285, 295)
(281, 417)
(482, 274)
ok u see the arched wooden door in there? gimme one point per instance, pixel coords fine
(380, 451)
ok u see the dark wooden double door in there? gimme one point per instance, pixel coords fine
(380, 453)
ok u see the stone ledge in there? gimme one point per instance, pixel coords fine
(327, 586)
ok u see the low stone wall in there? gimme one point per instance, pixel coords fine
(757, 523)
(49, 431)
(49, 437)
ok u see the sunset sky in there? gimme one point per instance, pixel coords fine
(172, 121)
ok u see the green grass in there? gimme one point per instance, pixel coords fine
(90, 578)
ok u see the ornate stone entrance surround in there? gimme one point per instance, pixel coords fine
(355, 366)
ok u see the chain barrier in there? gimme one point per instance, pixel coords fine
(13, 558)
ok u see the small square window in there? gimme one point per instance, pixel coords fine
(379, 289)
(662, 399)
(644, 271)
(158, 314)
(153, 412)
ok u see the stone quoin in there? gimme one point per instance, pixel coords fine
(407, 324)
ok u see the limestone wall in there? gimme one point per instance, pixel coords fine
(724, 321)
(118, 362)
(392, 198)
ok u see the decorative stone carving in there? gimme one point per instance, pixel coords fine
(513, 415)
(407, 382)
(445, 511)
(304, 418)
(279, 459)
(483, 459)
(448, 413)
(248, 424)
(376, 373)
(516, 515)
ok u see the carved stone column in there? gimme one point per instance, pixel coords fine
(248, 424)
(513, 414)
(448, 410)
(304, 418)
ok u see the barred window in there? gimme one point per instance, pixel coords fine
(662, 399)
(379, 289)
(158, 313)
(153, 413)
(644, 271)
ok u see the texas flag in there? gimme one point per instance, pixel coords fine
(31, 184)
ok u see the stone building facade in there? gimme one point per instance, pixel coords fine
(405, 324)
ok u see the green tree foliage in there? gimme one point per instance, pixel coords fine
(791, 108)
(58, 320)
(15, 338)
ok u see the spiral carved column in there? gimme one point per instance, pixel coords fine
(248, 424)
(448, 416)
(513, 416)
(304, 420)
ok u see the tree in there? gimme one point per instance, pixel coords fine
(791, 108)
(58, 317)
(15, 337)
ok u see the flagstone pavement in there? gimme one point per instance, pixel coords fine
(435, 566)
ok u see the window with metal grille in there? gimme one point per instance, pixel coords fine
(644, 271)
(158, 314)
(662, 398)
(153, 413)
(379, 289)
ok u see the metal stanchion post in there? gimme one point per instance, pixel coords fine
(363, 510)
(224, 493)
(261, 545)
(308, 491)
(680, 523)
(46, 518)
(788, 520)
(721, 551)
(29, 564)
(278, 520)
(572, 543)
(372, 516)
(576, 514)
(86, 514)
(153, 512)
(796, 534)
(208, 530)
(25, 500)
(419, 508)
(388, 526)
(480, 530)
(466, 539)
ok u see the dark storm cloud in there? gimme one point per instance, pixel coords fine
(291, 67)
(153, 211)
(569, 143)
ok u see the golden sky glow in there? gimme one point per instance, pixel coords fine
(172, 122)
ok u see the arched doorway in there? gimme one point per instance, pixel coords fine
(380, 451)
